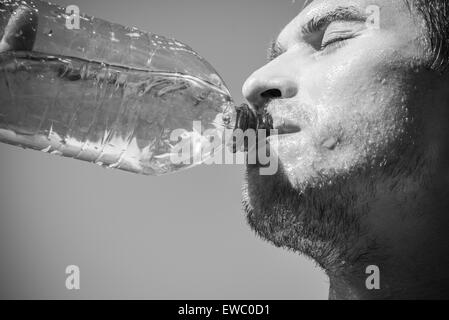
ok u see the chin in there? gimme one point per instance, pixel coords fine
(276, 213)
(263, 191)
(313, 219)
(273, 207)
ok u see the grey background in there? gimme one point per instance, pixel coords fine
(181, 236)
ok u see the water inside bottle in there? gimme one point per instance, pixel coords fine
(113, 115)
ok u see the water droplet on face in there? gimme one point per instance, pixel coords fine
(330, 143)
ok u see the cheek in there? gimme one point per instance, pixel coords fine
(359, 108)
(366, 93)
(368, 76)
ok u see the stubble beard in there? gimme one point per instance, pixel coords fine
(325, 219)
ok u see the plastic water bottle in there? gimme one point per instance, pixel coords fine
(102, 93)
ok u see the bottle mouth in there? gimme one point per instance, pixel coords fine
(247, 119)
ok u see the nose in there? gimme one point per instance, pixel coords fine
(266, 84)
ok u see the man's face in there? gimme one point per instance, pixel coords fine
(341, 90)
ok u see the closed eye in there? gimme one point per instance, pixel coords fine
(333, 45)
(339, 32)
(314, 32)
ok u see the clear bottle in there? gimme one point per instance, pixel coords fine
(102, 93)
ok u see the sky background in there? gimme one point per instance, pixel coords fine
(182, 236)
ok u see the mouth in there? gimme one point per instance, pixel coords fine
(248, 119)
(285, 126)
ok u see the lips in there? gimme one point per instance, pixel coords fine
(285, 126)
(246, 119)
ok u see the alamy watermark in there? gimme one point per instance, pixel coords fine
(73, 17)
(373, 280)
(373, 20)
(72, 281)
(226, 147)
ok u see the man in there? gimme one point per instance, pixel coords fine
(361, 103)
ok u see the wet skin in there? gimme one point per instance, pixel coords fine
(362, 147)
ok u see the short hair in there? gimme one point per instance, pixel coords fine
(436, 16)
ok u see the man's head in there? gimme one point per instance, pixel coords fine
(356, 89)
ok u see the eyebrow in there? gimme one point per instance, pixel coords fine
(319, 22)
(322, 20)
(275, 50)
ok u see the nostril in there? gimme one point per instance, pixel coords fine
(271, 94)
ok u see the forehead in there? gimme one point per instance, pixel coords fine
(393, 13)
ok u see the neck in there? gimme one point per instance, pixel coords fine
(411, 249)
(402, 277)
